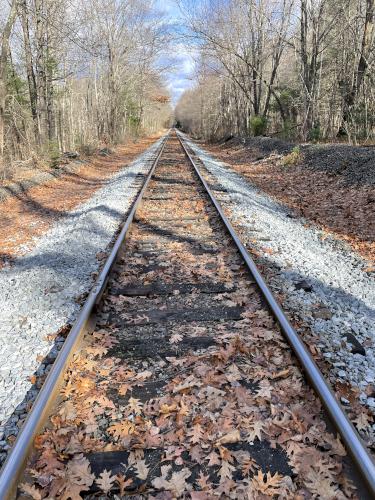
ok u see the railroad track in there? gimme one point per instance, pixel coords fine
(177, 380)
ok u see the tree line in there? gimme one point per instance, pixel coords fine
(299, 69)
(76, 74)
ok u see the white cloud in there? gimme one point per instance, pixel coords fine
(183, 56)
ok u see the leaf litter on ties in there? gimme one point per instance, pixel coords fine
(212, 411)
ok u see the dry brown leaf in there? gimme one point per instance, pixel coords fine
(196, 434)
(266, 483)
(281, 374)
(32, 491)
(190, 382)
(96, 351)
(362, 422)
(202, 481)
(177, 483)
(226, 470)
(135, 405)
(168, 409)
(231, 437)
(141, 469)
(199, 495)
(79, 471)
(144, 375)
(213, 459)
(121, 429)
(255, 431)
(176, 338)
(106, 481)
(233, 374)
(100, 400)
(68, 411)
(123, 389)
(123, 483)
(321, 485)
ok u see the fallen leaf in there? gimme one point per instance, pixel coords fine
(255, 431)
(106, 481)
(121, 429)
(141, 469)
(226, 470)
(231, 437)
(175, 338)
(32, 491)
(123, 483)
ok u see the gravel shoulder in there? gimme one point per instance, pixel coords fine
(332, 186)
(320, 281)
(40, 290)
(29, 210)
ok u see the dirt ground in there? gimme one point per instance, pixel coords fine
(323, 186)
(29, 214)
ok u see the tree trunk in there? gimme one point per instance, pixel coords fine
(29, 66)
(3, 70)
(40, 34)
(351, 95)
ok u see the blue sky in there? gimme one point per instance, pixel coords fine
(182, 77)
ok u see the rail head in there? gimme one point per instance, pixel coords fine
(352, 441)
(16, 460)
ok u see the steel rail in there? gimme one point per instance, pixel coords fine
(348, 433)
(15, 463)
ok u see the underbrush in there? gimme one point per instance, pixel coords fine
(292, 158)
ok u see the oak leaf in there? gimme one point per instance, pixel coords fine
(233, 374)
(266, 483)
(176, 484)
(123, 389)
(196, 434)
(135, 405)
(73, 492)
(231, 437)
(97, 351)
(68, 411)
(123, 483)
(255, 431)
(188, 383)
(106, 481)
(196, 453)
(121, 429)
(321, 485)
(249, 465)
(202, 481)
(79, 471)
(226, 470)
(100, 400)
(213, 459)
(166, 409)
(32, 491)
(264, 390)
(176, 338)
(141, 469)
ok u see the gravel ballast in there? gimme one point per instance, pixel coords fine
(355, 164)
(323, 281)
(39, 290)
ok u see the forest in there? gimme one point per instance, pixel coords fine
(301, 70)
(74, 75)
(78, 75)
